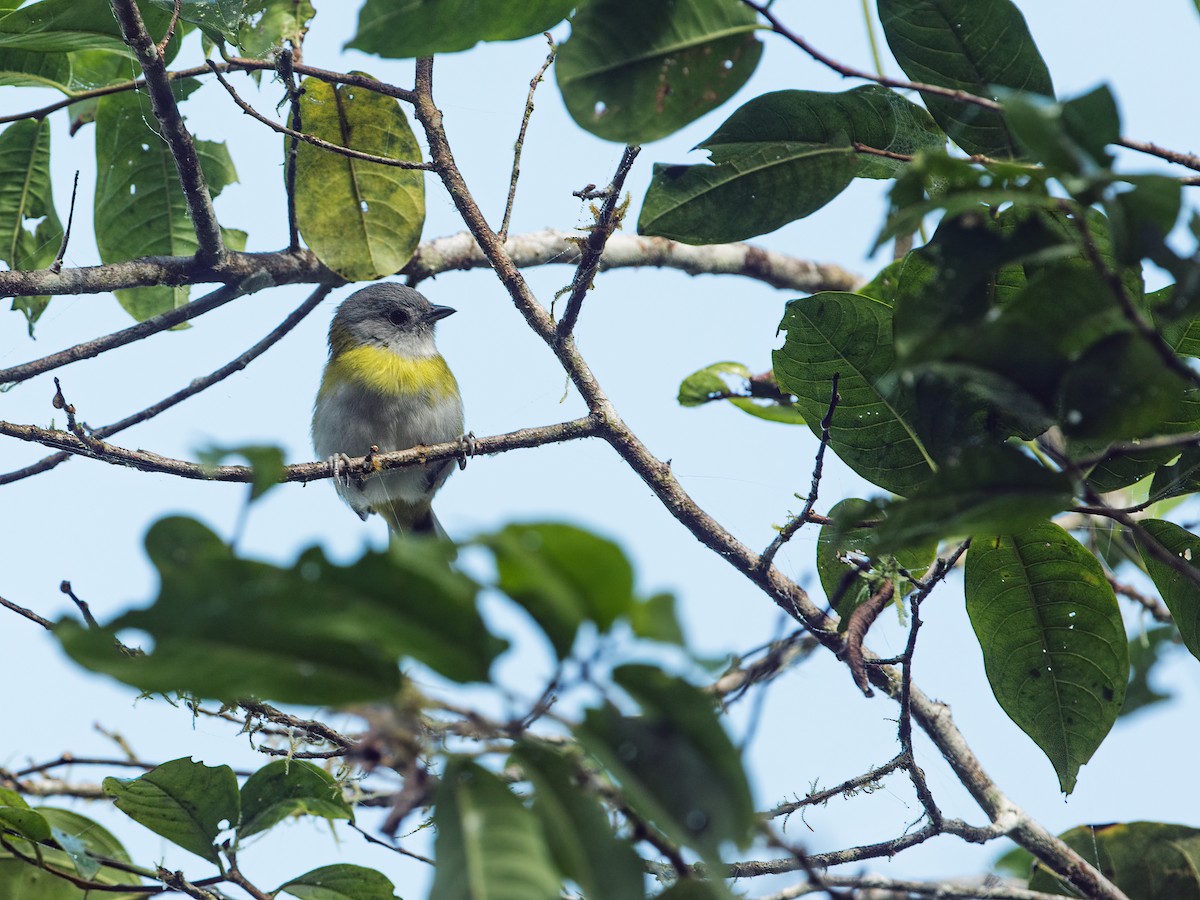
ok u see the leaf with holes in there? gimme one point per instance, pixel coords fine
(1178, 582)
(361, 219)
(289, 788)
(1052, 639)
(637, 72)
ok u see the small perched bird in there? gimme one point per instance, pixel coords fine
(386, 385)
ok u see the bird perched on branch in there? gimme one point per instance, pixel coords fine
(385, 385)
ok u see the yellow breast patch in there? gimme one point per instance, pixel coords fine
(387, 373)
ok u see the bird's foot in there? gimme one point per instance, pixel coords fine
(466, 448)
(339, 466)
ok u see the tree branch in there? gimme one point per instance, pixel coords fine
(178, 138)
(363, 466)
(153, 325)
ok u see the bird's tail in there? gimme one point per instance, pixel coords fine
(416, 519)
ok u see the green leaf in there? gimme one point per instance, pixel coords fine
(286, 788)
(654, 619)
(489, 846)
(987, 489)
(219, 19)
(637, 72)
(63, 25)
(30, 232)
(722, 380)
(967, 45)
(1070, 138)
(563, 576)
(82, 840)
(401, 29)
(186, 802)
(1146, 860)
(1176, 480)
(361, 219)
(266, 463)
(25, 822)
(869, 114)
(1118, 389)
(872, 432)
(1143, 216)
(959, 407)
(577, 829)
(781, 157)
(140, 209)
(315, 633)
(1180, 592)
(271, 25)
(341, 882)
(846, 585)
(1052, 639)
(706, 801)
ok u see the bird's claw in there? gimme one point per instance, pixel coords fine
(466, 448)
(339, 466)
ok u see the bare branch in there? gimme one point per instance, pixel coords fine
(280, 267)
(363, 466)
(520, 143)
(608, 220)
(943, 890)
(88, 349)
(178, 138)
(549, 247)
(27, 613)
(797, 522)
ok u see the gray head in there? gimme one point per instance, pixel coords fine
(391, 316)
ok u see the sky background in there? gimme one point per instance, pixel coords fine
(642, 332)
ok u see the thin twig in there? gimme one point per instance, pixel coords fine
(1152, 605)
(95, 347)
(230, 64)
(879, 885)
(797, 522)
(170, 33)
(81, 605)
(312, 139)
(847, 788)
(27, 613)
(607, 221)
(56, 266)
(1184, 159)
(520, 144)
(288, 73)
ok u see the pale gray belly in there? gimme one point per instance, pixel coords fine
(351, 420)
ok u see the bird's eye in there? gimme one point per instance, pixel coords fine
(398, 317)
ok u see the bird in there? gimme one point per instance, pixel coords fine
(386, 386)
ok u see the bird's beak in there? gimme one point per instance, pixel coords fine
(439, 312)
